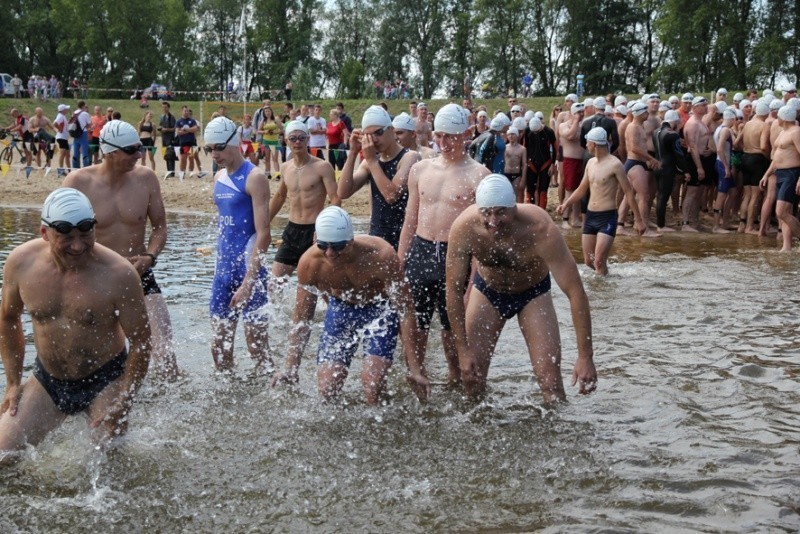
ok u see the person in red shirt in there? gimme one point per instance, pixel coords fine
(98, 121)
(337, 133)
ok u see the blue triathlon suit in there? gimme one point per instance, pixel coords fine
(376, 322)
(237, 235)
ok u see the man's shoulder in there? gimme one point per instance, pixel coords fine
(23, 255)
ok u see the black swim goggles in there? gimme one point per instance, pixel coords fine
(337, 246)
(219, 147)
(129, 150)
(64, 227)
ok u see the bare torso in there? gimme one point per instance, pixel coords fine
(700, 143)
(603, 183)
(305, 188)
(514, 155)
(785, 155)
(571, 147)
(751, 136)
(650, 125)
(636, 141)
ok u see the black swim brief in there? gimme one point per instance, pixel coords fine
(149, 284)
(510, 304)
(297, 238)
(74, 396)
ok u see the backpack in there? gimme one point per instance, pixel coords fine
(75, 129)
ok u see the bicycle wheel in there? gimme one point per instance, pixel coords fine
(5, 155)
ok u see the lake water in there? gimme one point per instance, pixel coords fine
(695, 424)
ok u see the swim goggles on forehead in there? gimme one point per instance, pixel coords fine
(64, 227)
(219, 147)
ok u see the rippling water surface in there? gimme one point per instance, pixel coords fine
(695, 424)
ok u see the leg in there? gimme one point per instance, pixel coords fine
(539, 327)
(222, 343)
(767, 206)
(164, 359)
(36, 416)
(752, 204)
(601, 251)
(783, 210)
(691, 207)
(718, 220)
(483, 325)
(257, 336)
(588, 242)
(373, 378)
(330, 379)
(451, 356)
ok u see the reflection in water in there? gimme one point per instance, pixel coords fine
(695, 424)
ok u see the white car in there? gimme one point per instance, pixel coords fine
(8, 89)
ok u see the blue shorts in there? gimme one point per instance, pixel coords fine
(377, 323)
(787, 181)
(723, 184)
(222, 290)
(600, 222)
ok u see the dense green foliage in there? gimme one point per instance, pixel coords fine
(340, 47)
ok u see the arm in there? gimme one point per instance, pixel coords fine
(12, 338)
(329, 181)
(134, 322)
(158, 228)
(277, 200)
(410, 222)
(692, 135)
(351, 181)
(391, 190)
(458, 267)
(720, 149)
(614, 136)
(574, 130)
(299, 334)
(553, 250)
(258, 189)
(764, 143)
(579, 193)
(622, 179)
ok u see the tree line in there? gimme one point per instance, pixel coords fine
(341, 47)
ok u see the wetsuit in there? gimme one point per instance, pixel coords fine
(669, 152)
(606, 123)
(541, 148)
(386, 220)
(237, 235)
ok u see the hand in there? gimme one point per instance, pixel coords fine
(287, 377)
(687, 177)
(115, 418)
(420, 385)
(727, 172)
(242, 294)
(640, 227)
(368, 149)
(355, 141)
(560, 209)
(762, 184)
(655, 164)
(701, 174)
(585, 375)
(11, 400)
(141, 263)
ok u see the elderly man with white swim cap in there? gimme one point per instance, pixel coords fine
(516, 247)
(786, 168)
(755, 161)
(439, 190)
(603, 179)
(405, 127)
(84, 300)
(385, 166)
(239, 288)
(307, 181)
(126, 197)
(369, 300)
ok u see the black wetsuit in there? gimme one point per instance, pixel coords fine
(387, 219)
(670, 153)
(606, 123)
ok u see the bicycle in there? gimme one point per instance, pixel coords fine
(7, 154)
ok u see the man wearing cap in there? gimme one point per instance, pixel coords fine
(80, 146)
(239, 288)
(572, 167)
(726, 183)
(541, 149)
(701, 163)
(603, 178)
(385, 166)
(424, 136)
(722, 95)
(364, 281)
(126, 196)
(306, 182)
(405, 130)
(790, 91)
(686, 109)
(672, 159)
(754, 164)
(439, 190)
(516, 248)
(61, 123)
(84, 300)
(516, 163)
(638, 164)
(786, 168)
(489, 148)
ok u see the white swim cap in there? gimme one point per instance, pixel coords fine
(376, 116)
(495, 191)
(790, 88)
(728, 114)
(775, 104)
(739, 114)
(794, 102)
(638, 109)
(512, 130)
(536, 125)
(539, 114)
(516, 108)
(738, 97)
(333, 225)
(653, 96)
(117, 134)
(767, 98)
(520, 123)
(787, 113)
(296, 126)
(600, 103)
(63, 107)
(722, 91)
(529, 115)
(597, 135)
(482, 113)
(673, 99)
(769, 92)
(664, 106)
(762, 108)
(67, 204)
(744, 103)
(451, 119)
(622, 109)
(497, 124)
(687, 97)
(721, 106)
(221, 130)
(588, 103)
(620, 100)
(698, 100)
(577, 107)
(672, 116)
(404, 121)
(572, 97)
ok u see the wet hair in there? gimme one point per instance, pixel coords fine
(116, 115)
